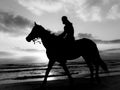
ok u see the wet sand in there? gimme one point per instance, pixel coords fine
(107, 83)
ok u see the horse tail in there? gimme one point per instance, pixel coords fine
(103, 65)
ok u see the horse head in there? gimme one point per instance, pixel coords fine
(36, 32)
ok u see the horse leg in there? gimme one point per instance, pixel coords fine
(90, 66)
(97, 73)
(67, 72)
(91, 72)
(50, 64)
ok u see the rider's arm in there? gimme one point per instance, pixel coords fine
(63, 34)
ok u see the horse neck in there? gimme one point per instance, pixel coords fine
(47, 40)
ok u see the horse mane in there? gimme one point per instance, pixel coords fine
(50, 32)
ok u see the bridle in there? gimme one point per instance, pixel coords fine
(36, 41)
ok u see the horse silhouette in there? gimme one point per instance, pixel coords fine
(58, 50)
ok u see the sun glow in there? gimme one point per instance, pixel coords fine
(51, 78)
(42, 53)
(42, 57)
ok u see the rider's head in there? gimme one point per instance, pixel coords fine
(64, 19)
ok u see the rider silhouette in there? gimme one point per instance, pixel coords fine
(68, 33)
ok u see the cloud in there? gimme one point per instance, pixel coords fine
(90, 36)
(13, 24)
(91, 14)
(20, 60)
(85, 35)
(4, 53)
(117, 41)
(114, 12)
(29, 50)
(99, 10)
(86, 10)
(112, 50)
(38, 6)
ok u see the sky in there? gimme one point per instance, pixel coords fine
(98, 20)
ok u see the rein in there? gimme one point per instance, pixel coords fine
(35, 41)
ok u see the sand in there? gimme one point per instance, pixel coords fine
(107, 83)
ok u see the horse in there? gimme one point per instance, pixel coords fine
(58, 50)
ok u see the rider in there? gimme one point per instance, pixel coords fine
(68, 33)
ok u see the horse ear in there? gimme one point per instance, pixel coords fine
(35, 23)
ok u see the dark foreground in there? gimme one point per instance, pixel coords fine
(107, 83)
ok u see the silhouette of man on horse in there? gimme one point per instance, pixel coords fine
(61, 53)
(68, 34)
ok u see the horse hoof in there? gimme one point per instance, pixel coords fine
(98, 80)
(92, 80)
(43, 86)
(71, 82)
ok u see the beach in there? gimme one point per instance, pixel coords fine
(107, 83)
(30, 77)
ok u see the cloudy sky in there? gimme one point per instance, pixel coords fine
(98, 20)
